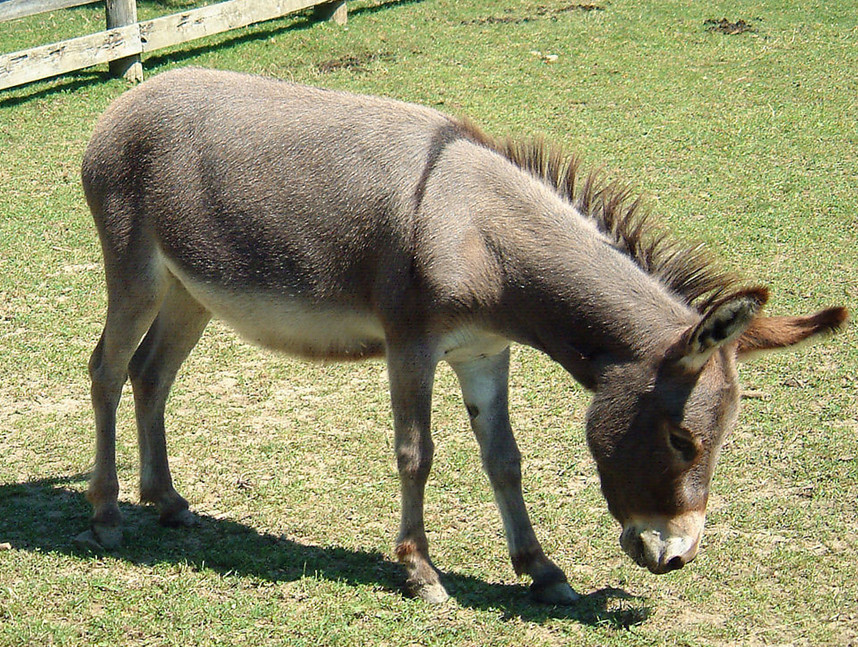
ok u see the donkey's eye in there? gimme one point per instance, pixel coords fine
(682, 442)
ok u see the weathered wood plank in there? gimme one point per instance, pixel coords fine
(213, 19)
(37, 63)
(11, 9)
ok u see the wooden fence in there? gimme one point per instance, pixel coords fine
(125, 39)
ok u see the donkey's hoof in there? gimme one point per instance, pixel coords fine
(431, 593)
(181, 518)
(559, 593)
(87, 541)
(108, 536)
(100, 537)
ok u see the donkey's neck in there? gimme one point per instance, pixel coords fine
(572, 294)
(589, 305)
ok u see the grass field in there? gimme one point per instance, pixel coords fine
(747, 141)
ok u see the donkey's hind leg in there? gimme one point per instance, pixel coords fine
(132, 306)
(174, 333)
(484, 383)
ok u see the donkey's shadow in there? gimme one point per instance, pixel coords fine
(43, 515)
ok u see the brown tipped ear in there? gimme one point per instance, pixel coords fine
(725, 321)
(771, 333)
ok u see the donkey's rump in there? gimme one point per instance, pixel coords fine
(254, 183)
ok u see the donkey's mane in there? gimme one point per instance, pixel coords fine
(688, 270)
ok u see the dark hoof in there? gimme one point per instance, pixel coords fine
(99, 537)
(86, 541)
(181, 518)
(559, 593)
(431, 593)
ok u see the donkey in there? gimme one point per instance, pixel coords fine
(340, 227)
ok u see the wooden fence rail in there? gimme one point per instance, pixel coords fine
(11, 9)
(126, 39)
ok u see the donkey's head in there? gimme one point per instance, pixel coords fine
(655, 426)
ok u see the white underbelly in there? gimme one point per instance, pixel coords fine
(327, 331)
(290, 324)
(319, 332)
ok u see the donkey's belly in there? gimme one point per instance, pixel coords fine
(326, 331)
(330, 333)
(292, 325)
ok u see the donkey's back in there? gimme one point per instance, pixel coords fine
(283, 209)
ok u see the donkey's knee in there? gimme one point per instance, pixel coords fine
(96, 358)
(148, 386)
(503, 469)
(415, 462)
(106, 379)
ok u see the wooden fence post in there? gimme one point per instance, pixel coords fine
(119, 14)
(335, 11)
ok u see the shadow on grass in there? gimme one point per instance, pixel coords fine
(381, 6)
(227, 40)
(185, 5)
(75, 80)
(302, 20)
(44, 515)
(43, 88)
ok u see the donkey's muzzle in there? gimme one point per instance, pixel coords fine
(663, 544)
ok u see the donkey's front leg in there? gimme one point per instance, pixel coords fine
(411, 370)
(484, 383)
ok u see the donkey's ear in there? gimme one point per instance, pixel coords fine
(772, 333)
(724, 322)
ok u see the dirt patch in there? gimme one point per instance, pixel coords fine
(541, 12)
(691, 617)
(497, 20)
(585, 7)
(353, 62)
(726, 27)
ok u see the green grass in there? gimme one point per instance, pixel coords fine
(748, 142)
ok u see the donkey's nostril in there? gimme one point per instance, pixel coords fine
(675, 563)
